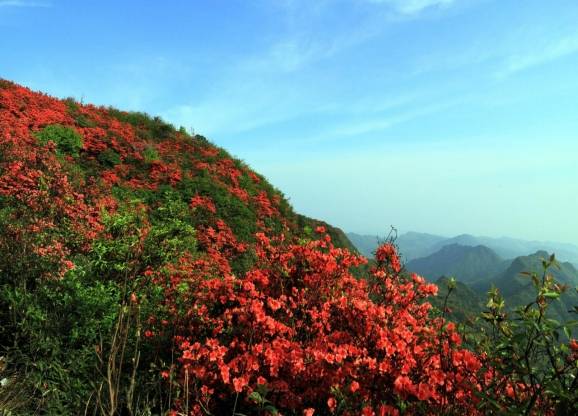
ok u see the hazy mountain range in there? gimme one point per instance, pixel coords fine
(478, 268)
(413, 245)
(469, 264)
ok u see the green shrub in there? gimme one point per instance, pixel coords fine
(54, 331)
(4, 84)
(74, 110)
(150, 155)
(109, 158)
(66, 139)
(153, 128)
(532, 353)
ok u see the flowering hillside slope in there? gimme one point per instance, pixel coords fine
(145, 271)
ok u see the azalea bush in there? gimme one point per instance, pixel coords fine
(298, 333)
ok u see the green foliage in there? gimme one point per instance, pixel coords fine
(338, 237)
(109, 158)
(153, 128)
(240, 217)
(134, 118)
(530, 350)
(66, 139)
(518, 289)
(202, 140)
(63, 338)
(150, 155)
(259, 399)
(54, 330)
(115, 257)
(171, 234)
(463, 305)
(5, 84)
(74, 110)
(17, 263)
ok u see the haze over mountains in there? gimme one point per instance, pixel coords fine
(469, 264)
(413, 245)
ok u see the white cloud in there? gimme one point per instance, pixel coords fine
(540, 54)
(412, 7)
(23, 3)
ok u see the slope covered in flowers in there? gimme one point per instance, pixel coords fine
(145, 271)
(95, 157)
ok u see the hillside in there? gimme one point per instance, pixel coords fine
(365, 244)
(414, 245)
(105, 158)
(102, 213)
(467, 264)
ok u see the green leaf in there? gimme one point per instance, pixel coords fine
(271, 409)
(256, 397)
(553, 322)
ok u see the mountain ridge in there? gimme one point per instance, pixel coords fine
(466, 263)
(414, 245)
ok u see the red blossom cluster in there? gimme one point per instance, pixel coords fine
(301, 328)
(266, 209)
(203, 202)
(49, 216)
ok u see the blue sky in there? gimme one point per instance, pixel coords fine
(442, 116)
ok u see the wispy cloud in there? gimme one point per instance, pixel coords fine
(304, 44)
(253, 91)
(273, 85)
(285, 55)
(540, 54)
(376, 124)
(23, 3)
(412, 7)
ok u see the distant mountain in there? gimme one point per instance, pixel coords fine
(467, 264)
(507, 247)
(365, 244)
(518, 290)
(478, 268)
(413, 245)
(510, 281)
